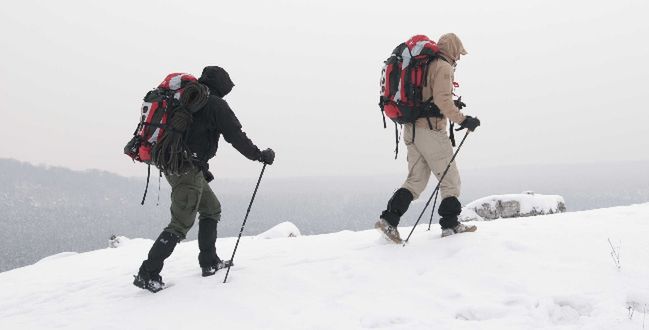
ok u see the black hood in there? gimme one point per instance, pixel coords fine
(217, 79)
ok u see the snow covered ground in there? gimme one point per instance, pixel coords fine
(545, 272)
(284, 229)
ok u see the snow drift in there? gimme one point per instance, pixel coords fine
(553, 272)
(284, 229)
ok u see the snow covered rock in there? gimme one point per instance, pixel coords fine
(284, 229)
(526, 204)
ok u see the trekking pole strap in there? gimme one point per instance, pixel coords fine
(396, 140)
(451, 135)
(159, 179)
(146, 189)
(437, 187)
(244, 222)
(382, 112)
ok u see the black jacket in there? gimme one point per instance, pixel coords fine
(216, 119)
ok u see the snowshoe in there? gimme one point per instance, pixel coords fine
(151, 283)
(389, 231)
(460, 228)
(211, 270)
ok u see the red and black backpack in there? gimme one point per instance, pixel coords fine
(155, 111)
(171, 103)
(403, 78)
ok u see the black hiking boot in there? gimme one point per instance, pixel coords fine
(211, 270)
(145, 281)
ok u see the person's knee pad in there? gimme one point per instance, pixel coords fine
(449, 207)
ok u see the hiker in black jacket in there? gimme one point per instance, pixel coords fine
(190, 192)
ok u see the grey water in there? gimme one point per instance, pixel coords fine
(48, 210)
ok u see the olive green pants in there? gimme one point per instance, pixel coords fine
(191, 194)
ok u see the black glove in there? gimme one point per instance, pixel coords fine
(459, 104)
(470, 123)
(267, 156)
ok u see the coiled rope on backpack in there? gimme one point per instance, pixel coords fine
(171, 154)
(194, 97)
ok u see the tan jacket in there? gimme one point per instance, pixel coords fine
(439, 83)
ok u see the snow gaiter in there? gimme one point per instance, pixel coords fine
(448, 210)
(397, 206)
(161, 250)
(206, 240)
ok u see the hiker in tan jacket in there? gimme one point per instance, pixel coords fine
(431, 150)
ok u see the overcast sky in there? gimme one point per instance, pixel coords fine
(551, 81)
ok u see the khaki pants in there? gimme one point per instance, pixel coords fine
(430, 152)
(191, 194)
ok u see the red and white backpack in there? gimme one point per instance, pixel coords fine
(403, 78)
(155, 111)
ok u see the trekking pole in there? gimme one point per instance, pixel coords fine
(432, 211)
(244, 222)
(437, 188)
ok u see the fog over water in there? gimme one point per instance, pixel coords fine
(44, 210)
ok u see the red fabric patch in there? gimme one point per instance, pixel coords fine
(415, 39)
(145, 152)
(420, 37)
(388, 82)
(392, 111)
(184, 77)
